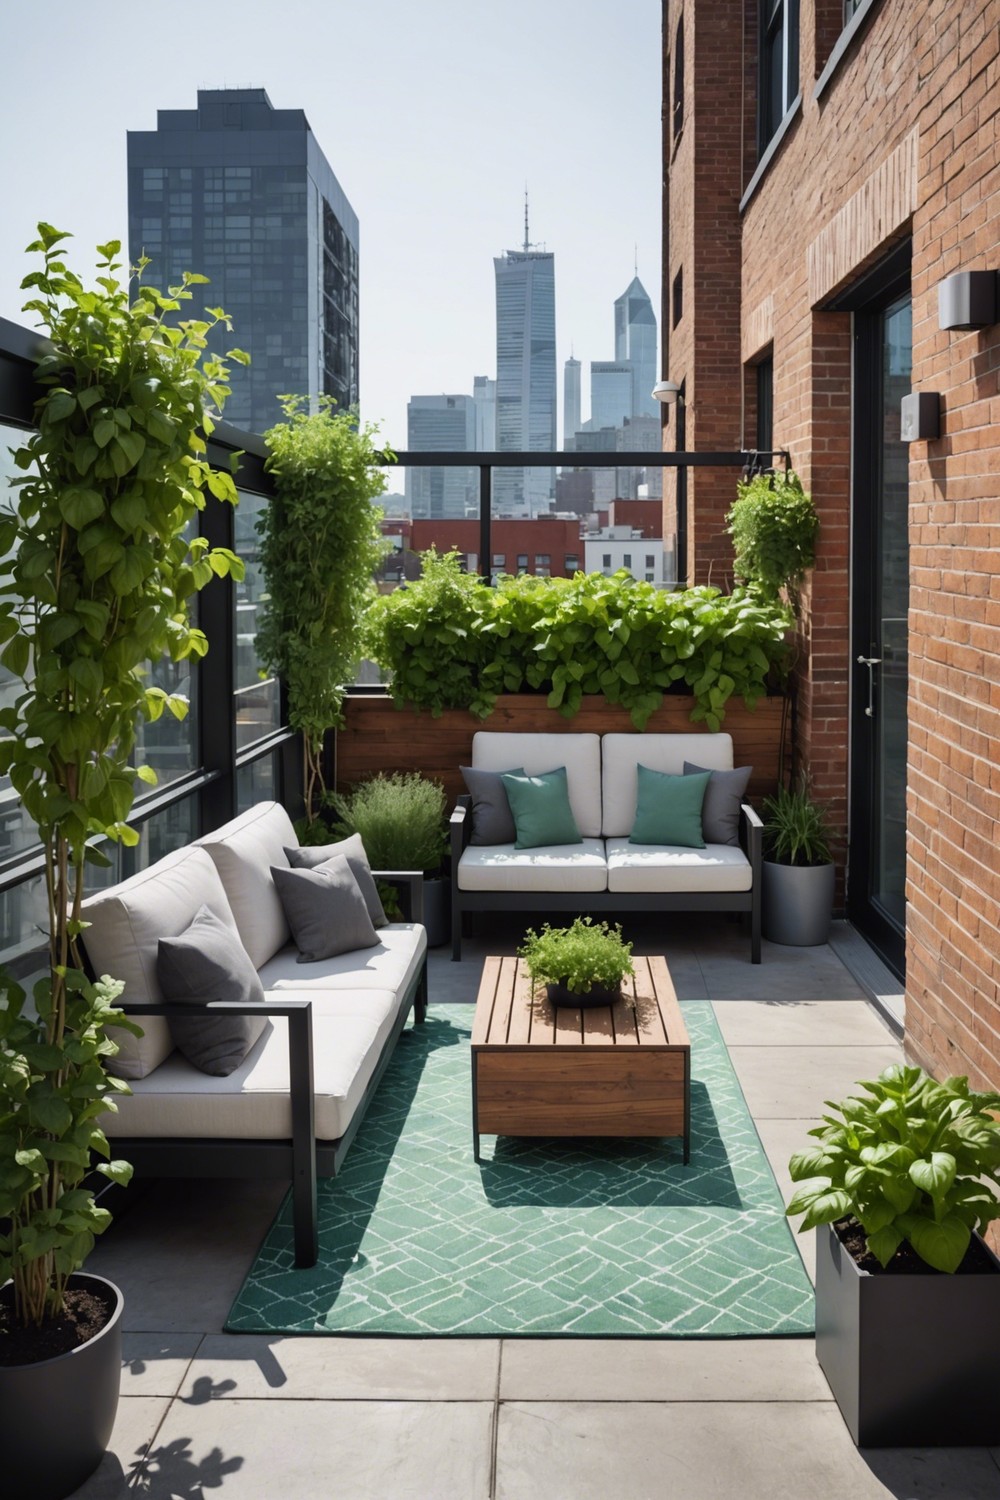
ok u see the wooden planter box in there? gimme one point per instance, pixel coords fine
(377, 736)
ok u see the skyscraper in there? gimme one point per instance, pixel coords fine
(242, 193)
(484, 394)
(526, 372)
(439, 424)
(635, 341)
(612, 392)
(571, 401)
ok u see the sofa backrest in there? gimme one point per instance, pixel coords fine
(622, 754)
(126, 924)
(494, 750)
(243, 852)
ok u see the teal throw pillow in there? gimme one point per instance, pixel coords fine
(668, 809)
(540, 804)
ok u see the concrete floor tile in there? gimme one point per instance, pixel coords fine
(136, 1425)
(259, 1366)
(780, 1139)
(715, 1451)
(801, 1023)
(180, 1251)
(782, 974)
(155, 1364)
(793, 1082)
(305, 1450)
(654, 1370)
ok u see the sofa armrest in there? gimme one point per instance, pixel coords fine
(460, 829)
(752, 837)
(410, 884)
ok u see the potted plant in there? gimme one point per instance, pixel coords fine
(798, 872)
(100, 570)
(901, 1182)
(773, 524)
(583, 964)
(401, 820)
(320, 545)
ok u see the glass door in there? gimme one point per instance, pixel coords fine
(880, 593)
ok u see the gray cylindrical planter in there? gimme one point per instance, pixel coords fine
(797, 903)
(437, 911)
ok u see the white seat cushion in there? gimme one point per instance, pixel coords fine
(392, 964)
(552, 867)
(126, 924)
(623, 753)
(668, 867)
(243, 851)
(253, 1103)
(579, 753)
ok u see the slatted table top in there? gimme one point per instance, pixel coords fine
(509, 1017)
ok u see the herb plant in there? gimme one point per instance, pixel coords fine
(320, 544)
(401, 820)
(774, 525)
(100, 569)
(910, 1162)
(579, 956)
(795, 829)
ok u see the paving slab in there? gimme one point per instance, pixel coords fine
(344, 1450)
(661, 1370)
(716, 1451)
(136, 1425)
(269, 1366)
(793, 1082)
(154, 1364)
(801, 1023)
(782, 974)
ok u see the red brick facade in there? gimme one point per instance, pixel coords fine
(902, 140)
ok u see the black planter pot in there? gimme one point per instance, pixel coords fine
(911, 1360)
(437, 910)
(558, 994)
(56, 1416)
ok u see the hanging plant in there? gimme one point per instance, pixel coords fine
(774, 526)
(100, 570)
(320, 544)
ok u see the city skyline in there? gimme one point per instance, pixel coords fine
(421, 135)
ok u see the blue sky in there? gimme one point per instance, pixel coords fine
(433, 116)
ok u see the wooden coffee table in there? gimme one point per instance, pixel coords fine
(597, 1071)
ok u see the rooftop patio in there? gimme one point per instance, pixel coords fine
(248, 1415)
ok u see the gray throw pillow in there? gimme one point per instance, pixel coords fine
(720, 812)
(325, 910)
(207, 962)
(311, 856)
(492, 819)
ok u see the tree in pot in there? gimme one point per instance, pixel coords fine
(580, 965)
(401, 820)
(901, 1182)
(798, 872)
(99, 574)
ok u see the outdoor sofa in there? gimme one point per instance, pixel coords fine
(605, 872)
(292, 1106)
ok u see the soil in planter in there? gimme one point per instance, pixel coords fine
(88, 1309)
(906, 1261)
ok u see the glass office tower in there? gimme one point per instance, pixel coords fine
(526, 376)
(441, 424)
(242, 193)
(635, 341)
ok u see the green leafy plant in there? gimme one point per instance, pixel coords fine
(401, 820)
(448, 640)
(99, 573)
(909, 1163)
(774, 526)
(320, 544)
(580, 956)
(796, 831)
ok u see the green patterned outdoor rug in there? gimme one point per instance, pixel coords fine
(606, 1238)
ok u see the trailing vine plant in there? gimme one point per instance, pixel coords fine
(320, 544)
(774, 525)
(99, 573)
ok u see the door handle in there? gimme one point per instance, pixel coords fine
(870, 662)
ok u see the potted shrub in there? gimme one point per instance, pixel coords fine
(774, 525)
(99, 574)
(900, 1182)
(401, 820)
(583, 964)
(798, 872)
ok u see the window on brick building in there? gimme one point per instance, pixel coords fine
(606, 560)
(677, 299)
(522, 562)
(765, 405)
(627, 560)
(678, 110)
(650, 560)
(571, 562)
(499, 559)
(778, 66)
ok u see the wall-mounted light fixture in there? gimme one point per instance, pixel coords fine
(667, 392)
(968, 300)
(920, 417)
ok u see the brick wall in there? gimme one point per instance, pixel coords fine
(904, 140)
